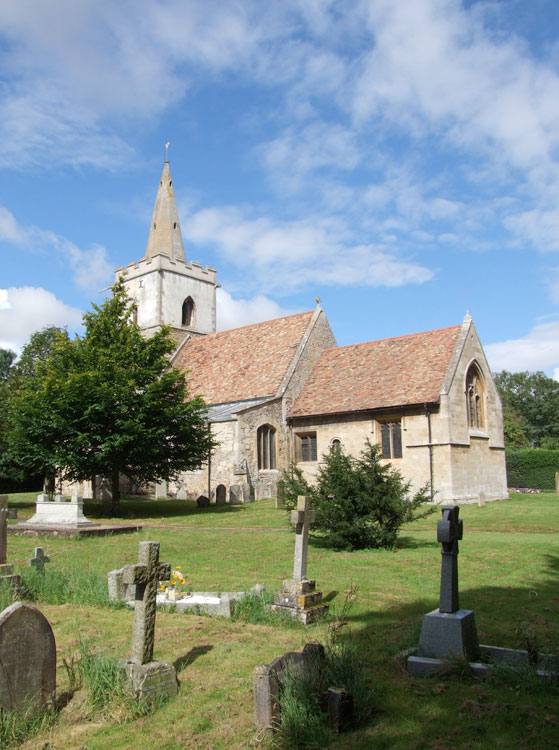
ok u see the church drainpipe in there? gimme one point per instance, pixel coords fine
(430, 445)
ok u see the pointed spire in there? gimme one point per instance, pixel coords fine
(165, 233)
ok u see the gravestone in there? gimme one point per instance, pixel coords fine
(27, 658)
(7, 576)
(449, 629)
(235, 494)
(220, 494)
(280, 494)
(203, 502)
(38, 560)
(298, 596)
(149, 678)
(268, 679)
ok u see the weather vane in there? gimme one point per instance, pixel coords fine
(167, 150)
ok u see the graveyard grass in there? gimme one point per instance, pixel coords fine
(508, 569)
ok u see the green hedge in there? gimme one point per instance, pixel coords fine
(534, 468)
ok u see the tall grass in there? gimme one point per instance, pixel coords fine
(18, 726)
(83, 586)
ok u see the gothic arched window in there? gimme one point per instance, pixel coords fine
(266, 443)
(188, 312)
(474, 397)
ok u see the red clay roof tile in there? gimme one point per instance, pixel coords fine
(242, 363)
(378, 374)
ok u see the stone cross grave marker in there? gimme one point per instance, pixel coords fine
(449, 532)
(302, 518)
(38, 560)
(27, 658)
(146, 576)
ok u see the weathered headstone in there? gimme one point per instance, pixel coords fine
(449, 629)
(38, 560)
(220, 494)
(298, 596)
(235, 494)
(149, 678)
(7, 576)
(280, 493)
(268, 679)
(27, 658)
(203, 502)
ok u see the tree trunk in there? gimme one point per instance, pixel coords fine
(115, 491)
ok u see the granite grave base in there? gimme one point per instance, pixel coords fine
(489, 657)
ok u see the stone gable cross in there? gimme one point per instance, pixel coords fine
(145, 576)
(449, 532)
(38, 560)
(302, 518)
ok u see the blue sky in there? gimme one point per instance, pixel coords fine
(397, 158)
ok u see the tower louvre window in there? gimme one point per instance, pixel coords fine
(188, 312)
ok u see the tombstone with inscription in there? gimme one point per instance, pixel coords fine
(449, 629)
(7, 576)
(27, 658)
(149, 678)
(298, 596)
(220, 494)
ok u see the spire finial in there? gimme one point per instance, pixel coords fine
(167, 150)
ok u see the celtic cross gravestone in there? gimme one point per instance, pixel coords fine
(149, 678)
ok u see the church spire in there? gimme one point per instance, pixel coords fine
(165, 232)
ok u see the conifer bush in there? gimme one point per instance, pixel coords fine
(360, 503)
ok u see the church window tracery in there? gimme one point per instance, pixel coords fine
(266, 444)
(475, 391)
(391, 438)
(306, 447)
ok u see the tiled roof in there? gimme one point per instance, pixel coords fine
(243, 363)
(378, 374)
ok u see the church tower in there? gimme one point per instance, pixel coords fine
(168, 290)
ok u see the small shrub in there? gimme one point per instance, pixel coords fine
(360, 503)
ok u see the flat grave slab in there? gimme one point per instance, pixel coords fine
(37, 530)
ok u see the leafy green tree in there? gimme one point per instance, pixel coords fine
(109, 404)
(7, 356)
(515, 437)
(39, 347)
(359, 502)
(533, 399)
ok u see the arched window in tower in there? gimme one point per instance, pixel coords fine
(188, 312)
(266, 444)
(475, 391)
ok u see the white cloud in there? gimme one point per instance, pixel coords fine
(282, 257)
(29, 309)
(538, 350)
(91, 267)
(234, 313)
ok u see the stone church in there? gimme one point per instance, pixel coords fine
(282, 391)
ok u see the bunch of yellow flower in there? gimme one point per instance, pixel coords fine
(177, 582)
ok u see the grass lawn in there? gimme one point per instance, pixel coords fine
(508, 566)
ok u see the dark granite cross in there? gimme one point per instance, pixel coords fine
(146, 576)
(449, 532)
(302, 518)
(38, 560)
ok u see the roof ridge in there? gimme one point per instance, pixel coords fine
(392, 338)
(253, 325)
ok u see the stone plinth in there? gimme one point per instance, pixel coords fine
(300, 600)
(444, 633)
(59, 512)
(151, 680)
(8, 578)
